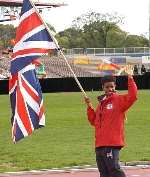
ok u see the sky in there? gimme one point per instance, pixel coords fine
(135, 13)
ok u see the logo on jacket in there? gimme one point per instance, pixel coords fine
(109, 106)
(109, 154)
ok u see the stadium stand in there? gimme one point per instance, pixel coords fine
(84, 62)
(57, 67)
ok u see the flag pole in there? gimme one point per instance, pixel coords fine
(64, 57)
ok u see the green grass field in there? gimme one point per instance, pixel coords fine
(68, 138)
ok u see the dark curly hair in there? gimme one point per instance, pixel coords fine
(108, 79)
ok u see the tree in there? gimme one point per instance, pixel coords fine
(136, 41)
(96, 30)
(7, 32)
(96, 27)
(116, 38)
(51, 28)
(70, 38)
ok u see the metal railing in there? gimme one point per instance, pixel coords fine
(143, 51)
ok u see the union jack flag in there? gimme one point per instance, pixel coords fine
(32, 41)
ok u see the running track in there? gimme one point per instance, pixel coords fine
(130, 172)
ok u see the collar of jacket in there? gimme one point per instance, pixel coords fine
(103, 97)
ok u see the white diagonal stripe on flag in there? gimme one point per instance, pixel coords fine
(28, 35)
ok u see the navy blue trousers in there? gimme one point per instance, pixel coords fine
(107, 159)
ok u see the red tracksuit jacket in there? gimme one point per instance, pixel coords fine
(109, 117)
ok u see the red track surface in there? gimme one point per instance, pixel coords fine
(130, 172)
